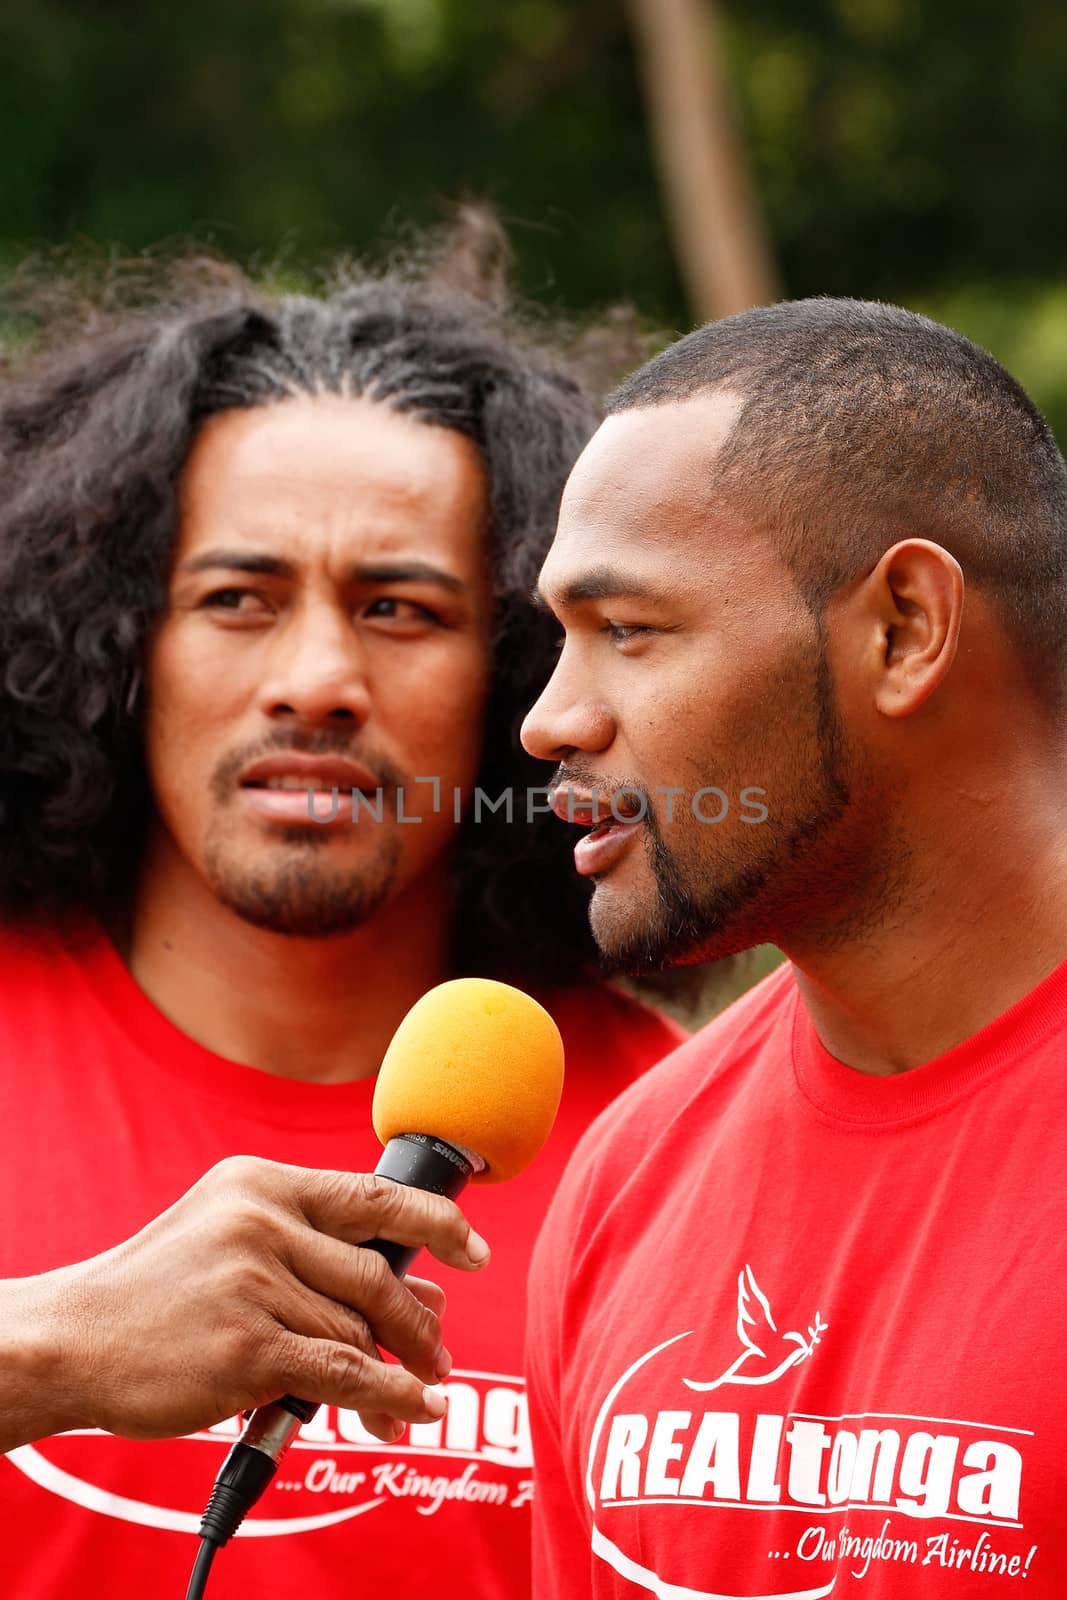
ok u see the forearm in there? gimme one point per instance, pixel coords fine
(37, 1398)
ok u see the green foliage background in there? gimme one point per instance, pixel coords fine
(900, 149)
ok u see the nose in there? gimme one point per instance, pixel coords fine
(317, 671)
(567, 716)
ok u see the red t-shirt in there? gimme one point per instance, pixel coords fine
(795, 1330)
(107, 1114)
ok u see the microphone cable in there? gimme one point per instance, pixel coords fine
(199, 1576)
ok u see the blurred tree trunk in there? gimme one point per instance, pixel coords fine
(722, 253)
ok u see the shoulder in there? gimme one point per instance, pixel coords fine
(35, 956)
(626, 1159)
(603, 1016)
(699, 1065)
(610, 1038)
(28, 945)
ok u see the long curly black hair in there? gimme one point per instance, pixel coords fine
(96, 421)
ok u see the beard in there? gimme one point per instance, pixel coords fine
(709, 905)
(302, 896)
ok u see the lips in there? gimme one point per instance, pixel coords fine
(611, 831)
(295, 772)
(595, 810)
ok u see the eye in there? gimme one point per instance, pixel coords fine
(390, 608)
(232, 600)
(622, 632)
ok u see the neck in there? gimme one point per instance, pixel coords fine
(978, 920)
(322, 1010)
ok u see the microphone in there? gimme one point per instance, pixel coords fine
(468, 1091)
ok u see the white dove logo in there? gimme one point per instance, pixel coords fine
(763, 1328)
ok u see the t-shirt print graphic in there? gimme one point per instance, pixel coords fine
(823, 1500)
(479, 1454)
(775, 1353)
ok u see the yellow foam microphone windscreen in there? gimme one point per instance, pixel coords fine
(477, 1064)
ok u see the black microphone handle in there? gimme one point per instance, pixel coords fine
(421, 1162)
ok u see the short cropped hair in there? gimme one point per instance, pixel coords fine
(862, 424)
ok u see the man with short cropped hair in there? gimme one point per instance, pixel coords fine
(796, 1312)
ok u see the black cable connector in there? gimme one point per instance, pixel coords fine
(243, 1477)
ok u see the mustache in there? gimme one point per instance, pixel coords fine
(316, 742)
(576, 775)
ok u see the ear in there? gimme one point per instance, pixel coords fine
(914, 602)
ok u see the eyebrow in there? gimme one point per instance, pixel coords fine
(278, 567)
(599, 583)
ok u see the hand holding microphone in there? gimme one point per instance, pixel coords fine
(249, 1287)
(468, 1090)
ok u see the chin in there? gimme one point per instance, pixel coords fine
(642, 939)
(303, 899)
(630, 937)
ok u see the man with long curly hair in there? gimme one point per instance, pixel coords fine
(256, 549)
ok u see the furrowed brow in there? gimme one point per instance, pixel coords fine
(239, 561)
(277, 567)
(410, 572)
